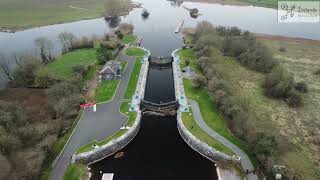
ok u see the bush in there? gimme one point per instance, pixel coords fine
(43, 78)
(125, 28)
(11, 116)
(264, 146)
(80, 70)
(68, 107)
(278, 83)
(294, 99)
(282, 49)
(103, 55)
(62, 90)
(82, 43)
(25, 73)
(119, 34)
(9, 143)
(199, 81)
(301, 87)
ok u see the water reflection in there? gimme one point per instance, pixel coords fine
(156, 153)
(113, 22)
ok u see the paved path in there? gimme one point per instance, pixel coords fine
(245, 161)
(95, 125)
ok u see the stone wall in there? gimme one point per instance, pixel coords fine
(204, 149)
(110, 148)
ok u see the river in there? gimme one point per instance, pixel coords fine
(157, 30)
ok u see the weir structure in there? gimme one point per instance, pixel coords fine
(165, 108)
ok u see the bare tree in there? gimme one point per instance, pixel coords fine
(45, 45)
(5, 67)
(66, 39)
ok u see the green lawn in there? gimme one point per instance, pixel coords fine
(192, 126)
(75, 172)
(129, 39)
(106, 90)
(139, 53)
(135, 51)
(61, 68)
(188, 54)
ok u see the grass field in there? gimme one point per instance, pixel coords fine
(296, 129)
(75, 172)
(106, 90)
(17, 14)
(61, 68)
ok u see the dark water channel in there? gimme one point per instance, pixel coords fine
(157, 152)
(160, 86)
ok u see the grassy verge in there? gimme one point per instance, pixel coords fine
(106, 90)
(61, 68)
(75, 172)
(191, 125)
(89, 146)
(188, 54)
(138, 53)
(129, 39)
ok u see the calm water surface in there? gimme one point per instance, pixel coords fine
(157, 30)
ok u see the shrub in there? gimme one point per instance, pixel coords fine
(62, 90)
(103, 55)
(119, 34)
(25, 74)
(11, 116)
(278, 83)
(294, 99)
(125, 28)
(199, 81)
(82, 43)
(282, 49)
(264, 145)
(301, 87)
(68, 106)
(43, 78)
(9, 143)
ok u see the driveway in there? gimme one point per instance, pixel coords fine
(95, 125)
(245, 161)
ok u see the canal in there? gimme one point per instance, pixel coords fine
(157, 152)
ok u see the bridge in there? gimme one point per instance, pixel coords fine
(168, 108)
(160, 62)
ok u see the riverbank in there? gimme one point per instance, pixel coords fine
(40, 13)
(264, 3)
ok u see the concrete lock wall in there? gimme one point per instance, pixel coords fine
(110, 148)
(204, 149)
